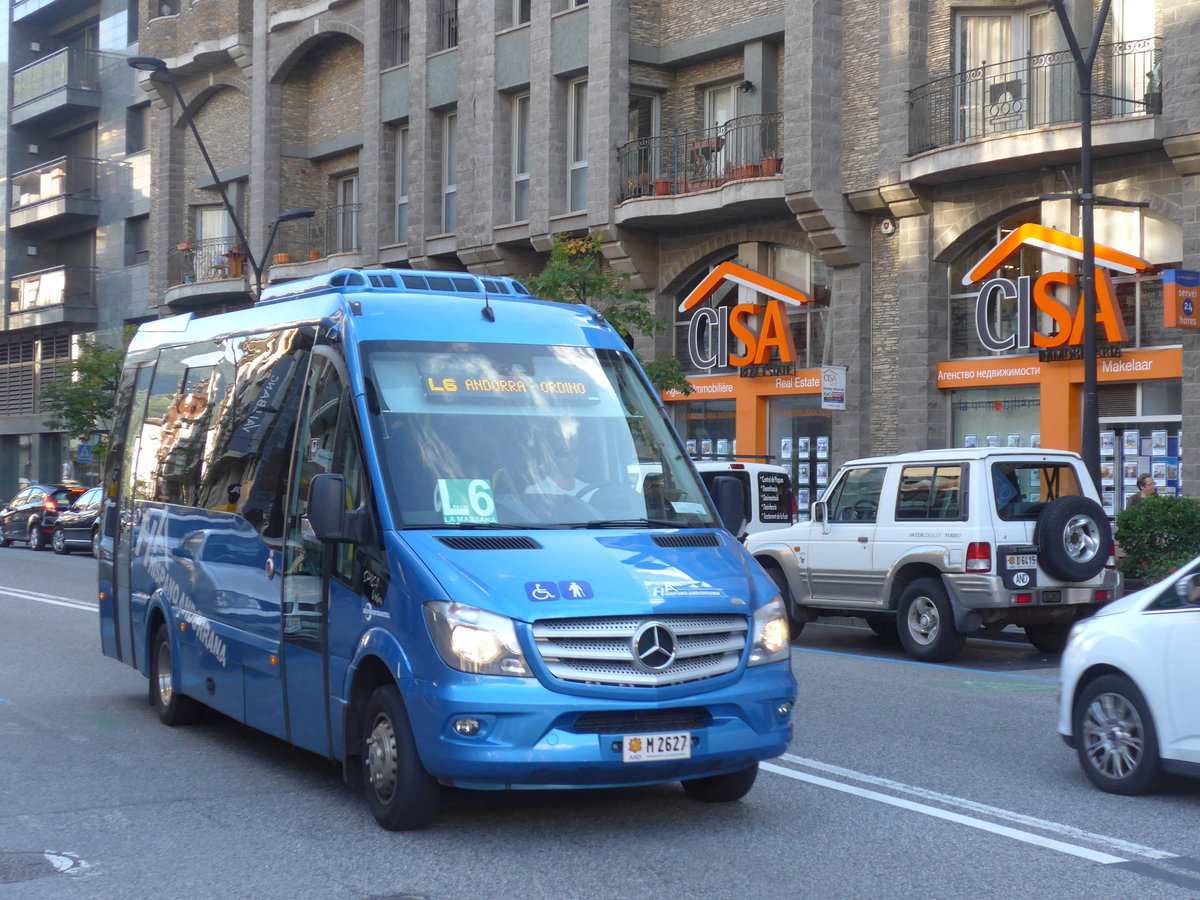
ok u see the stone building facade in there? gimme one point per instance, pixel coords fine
(864, 153)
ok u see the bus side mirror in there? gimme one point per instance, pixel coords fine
(731, 503)
(327, 507)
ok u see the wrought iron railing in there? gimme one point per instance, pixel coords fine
(394, 47)
(69, 67)
(56, 286)
(67, 176)
(211, 259)
(745, 147)
(1034, 92)
(335, 229)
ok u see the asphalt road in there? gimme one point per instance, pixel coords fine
(904, 780)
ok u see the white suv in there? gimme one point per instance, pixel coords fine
(938, 543)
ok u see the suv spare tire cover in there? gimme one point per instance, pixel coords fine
(1074, 539)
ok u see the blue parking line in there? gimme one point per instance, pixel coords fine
(924, 665)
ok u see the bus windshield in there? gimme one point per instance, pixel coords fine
(521, 436)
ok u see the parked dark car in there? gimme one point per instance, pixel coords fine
(31, 515)
(78, 526)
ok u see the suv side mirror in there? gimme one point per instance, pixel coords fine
(1188, 590)
(820, 513)
(731, 503)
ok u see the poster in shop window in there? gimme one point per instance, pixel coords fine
(691, 446)
(803, 447)
(722, 446)
(1014, 440)
(785, 448)
(1106, 471)
(802, 473)
(1158, 469)
(1107, 497)
(1108, 440)
(971, 440)
(993, 440)
(1129, 441)
(822, 473)
(1158, 443)
(823, 447)
(1130, 471)
(1035, 440)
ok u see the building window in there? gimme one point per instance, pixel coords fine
(577, 151)
(346, 215)
(449, 172)
(402, 185)
(131, 22)
(520, 157)
(395, 22)
(520, 11)
(445, 25)
(137, 248)
(137, 127)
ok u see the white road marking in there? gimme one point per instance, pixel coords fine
(48, 598)
(958, 818)
(1116, 844)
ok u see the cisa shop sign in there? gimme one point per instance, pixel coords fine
(761, 327)
(1064, 340)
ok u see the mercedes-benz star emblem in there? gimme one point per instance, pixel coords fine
(653, 646)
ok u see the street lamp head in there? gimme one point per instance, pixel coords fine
(291, 214)
(147, 64)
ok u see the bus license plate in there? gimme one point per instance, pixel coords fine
(636, 748)
(1022, 560)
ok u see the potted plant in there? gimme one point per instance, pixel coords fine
(314, 254)
(282, 258)
(771, 165)
(662, 186)
(183, 245)
(1152, 99)
(749, 170)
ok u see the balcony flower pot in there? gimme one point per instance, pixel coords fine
(314, 255)
(771, 165)
(1153, 102)
(662, 187)
(282, 258)
(750, 170)
(184, 245)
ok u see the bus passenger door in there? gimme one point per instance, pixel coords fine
(308, 564)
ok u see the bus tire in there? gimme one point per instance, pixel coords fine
(173, 708)
(401, 794)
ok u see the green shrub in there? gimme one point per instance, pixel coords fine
(1158, 536)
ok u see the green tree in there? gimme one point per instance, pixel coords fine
(576, 273)
(83, 403)
(1158, 536)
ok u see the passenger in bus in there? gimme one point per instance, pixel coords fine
(563, 468)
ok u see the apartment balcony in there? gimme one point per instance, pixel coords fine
(330, 239)
(730, 169)
(63, 84)
(55, 198)
(1011, 116)
(212, 270)
(63, 295)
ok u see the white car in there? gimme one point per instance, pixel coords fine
(1129, 675)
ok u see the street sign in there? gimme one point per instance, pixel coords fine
(85, 454)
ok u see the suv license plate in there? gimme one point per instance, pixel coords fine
(636, 748)
(1022, 560)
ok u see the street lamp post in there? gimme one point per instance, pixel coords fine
(1090, 413)
(154, 65)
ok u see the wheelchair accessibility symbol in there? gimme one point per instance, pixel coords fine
(541, 591)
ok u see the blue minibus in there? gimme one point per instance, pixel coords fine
(397, 518)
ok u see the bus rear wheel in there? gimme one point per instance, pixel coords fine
(401, 794)
(173, 708)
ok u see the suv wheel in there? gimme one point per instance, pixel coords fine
(1074, 539)
(1049, 638)
(926, 622)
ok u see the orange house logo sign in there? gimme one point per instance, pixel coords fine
(1030, 294)
(762, 328)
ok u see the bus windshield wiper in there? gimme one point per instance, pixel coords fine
(629, 523)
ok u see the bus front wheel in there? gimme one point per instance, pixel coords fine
(401, 794)
(173, 708)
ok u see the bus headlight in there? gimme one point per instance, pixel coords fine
(474, 640)
(771, 634)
